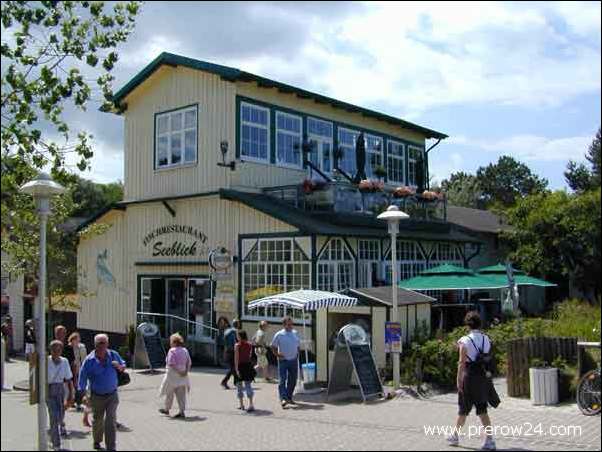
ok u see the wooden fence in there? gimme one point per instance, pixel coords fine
(522, 351)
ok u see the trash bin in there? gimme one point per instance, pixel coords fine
(544, 385)
(309, 372)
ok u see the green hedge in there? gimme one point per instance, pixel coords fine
(435, 360)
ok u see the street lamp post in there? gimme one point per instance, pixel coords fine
(42, 189)
(393, 216)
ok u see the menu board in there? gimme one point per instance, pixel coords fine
(365, 369)
(155, 351)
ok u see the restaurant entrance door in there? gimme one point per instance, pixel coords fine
(178, 305)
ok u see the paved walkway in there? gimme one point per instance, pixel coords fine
(214, 423)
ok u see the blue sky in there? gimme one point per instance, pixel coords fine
(521, 79)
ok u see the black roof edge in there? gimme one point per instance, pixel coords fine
(233, 74)
(99, 214)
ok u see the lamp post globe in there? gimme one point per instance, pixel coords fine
(393, 216)
(42, 188)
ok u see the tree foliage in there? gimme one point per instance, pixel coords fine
(558, 235)
(507, 181)
(581, 178)
(463, 189)
(55, 56)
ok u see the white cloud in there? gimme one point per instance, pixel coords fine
(534, 147)
(411, 57)
(442, 168)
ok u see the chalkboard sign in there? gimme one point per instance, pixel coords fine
(365, 369)
(149, 350)
(155, 350)
(352, 354)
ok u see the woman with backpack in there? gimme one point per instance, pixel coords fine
(473, 379)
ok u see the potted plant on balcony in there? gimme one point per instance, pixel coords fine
(380, 171)
(372, 193)
(429, 196)
(403, 192)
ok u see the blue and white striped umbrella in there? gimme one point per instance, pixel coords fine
(307, 300)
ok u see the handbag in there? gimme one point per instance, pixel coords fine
(123, 378)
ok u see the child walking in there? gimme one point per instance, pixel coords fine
(245, 373)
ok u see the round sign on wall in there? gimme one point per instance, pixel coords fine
(220, 259)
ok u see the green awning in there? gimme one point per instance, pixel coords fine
(521, 280)
(498, 273)
(450, 277)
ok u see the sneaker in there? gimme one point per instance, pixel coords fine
(251, 409)
(284, 403)
(453, 440)
(489, 444)
(97, 446)
(180, 416)
(163, 411)
(225, 385)
(291, 402)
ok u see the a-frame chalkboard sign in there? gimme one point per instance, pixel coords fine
(353, 355)
(149, 352)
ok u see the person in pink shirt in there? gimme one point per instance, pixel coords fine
(176, 381)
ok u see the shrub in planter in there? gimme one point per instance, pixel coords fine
(380, 171)
(124, 352)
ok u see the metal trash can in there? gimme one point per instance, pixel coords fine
(544, 385)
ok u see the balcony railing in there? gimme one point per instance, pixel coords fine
(346, 197)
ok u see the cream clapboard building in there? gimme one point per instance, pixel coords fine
(182, 203)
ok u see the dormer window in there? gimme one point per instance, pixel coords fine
(176, 137)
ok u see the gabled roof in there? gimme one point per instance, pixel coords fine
(233, 75)
(383, 296)
(476, 219)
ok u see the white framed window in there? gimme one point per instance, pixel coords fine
(288, 139)
(254, 132)
(410, 261)
(369, 262)
(336, 267)
(374, 154)
(445, 253)
(176, 136)
(414, 154)
(274, 266)
(396, 162)
(320, 135)
(347, 141)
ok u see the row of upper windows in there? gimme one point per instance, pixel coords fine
(255, 145)
(176, 143)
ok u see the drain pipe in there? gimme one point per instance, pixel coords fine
(426, 153)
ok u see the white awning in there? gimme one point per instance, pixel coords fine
(307, 300)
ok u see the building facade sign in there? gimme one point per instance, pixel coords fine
(161, 243)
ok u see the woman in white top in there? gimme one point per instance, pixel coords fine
(472, 379)
(59, 373)
(261, 349)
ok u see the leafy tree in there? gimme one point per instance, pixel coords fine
(558, 235)
(463, 189)
(46, 48)
(579, 177)
(55, 55)
(91, 197)
(504, 182)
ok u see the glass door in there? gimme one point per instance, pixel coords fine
(200, 308)
(175, 305)
(152, 300)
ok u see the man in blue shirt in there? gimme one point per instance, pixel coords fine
(286, 346)
(99, 369)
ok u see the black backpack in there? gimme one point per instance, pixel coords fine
(483, 361)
